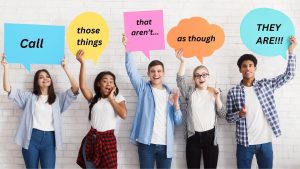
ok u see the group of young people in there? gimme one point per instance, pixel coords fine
(250, 104)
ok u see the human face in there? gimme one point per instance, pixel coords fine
(248, 69)
(44, 80)
(200, 77)
(156, 74)
(106, 85)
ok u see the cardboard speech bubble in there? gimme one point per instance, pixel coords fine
(196, 37)
(89, 32)
(266, 31)
(33, 44)
(144, 30)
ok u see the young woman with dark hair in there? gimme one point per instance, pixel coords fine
(99, 146)
(40, 132)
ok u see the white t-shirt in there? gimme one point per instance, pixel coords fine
(203, 110)
(42, 115)
(259, 131)
(159, 135)
(103, 116)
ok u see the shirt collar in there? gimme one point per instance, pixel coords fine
(242, 84)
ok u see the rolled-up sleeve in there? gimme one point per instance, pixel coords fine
(19, 97)
(66, 99)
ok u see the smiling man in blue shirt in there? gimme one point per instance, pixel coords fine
(156, 115)
(251, 105)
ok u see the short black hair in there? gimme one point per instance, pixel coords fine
(246, 57)
(155, 63)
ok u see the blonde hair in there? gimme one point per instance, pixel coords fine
(199, 67)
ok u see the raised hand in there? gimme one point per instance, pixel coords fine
(3, 61)
(79, 55)
(124, 39)
(179, 55)
(64, 63)
(293, 42)
(174, 97)
(217, 93)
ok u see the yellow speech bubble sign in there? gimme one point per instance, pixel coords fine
(89, 32)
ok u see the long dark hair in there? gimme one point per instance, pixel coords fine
(37, 89)
(98, 94)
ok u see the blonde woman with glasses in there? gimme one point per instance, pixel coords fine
(204, 105)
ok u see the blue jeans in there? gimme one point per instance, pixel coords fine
(149, 154)
(88, 164)
(41, 149)
(263, 153)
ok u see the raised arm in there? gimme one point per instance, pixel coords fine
(74, 84)
(180, 79)
(88, 95)
(17, 96)
(6, 84)
(289, 73)
(179, 56)
(134, 76)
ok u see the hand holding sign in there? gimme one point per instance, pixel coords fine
(124, 40)
(144, 30)
(88, 32)
(3, 61)
(196, 37)
(266, 32)
(293, 42)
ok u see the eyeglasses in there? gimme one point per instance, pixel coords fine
(198, 76)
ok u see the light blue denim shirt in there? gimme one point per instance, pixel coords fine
(26, 101)
(142, 127)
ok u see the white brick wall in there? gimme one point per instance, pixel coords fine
(222, 65)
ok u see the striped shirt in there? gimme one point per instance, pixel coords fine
(264, 90)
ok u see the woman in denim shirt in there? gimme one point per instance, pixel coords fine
(39, 131)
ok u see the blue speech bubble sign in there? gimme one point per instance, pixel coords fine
(33, 44)
(266, 31)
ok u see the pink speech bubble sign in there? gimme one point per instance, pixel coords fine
(144, 30)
